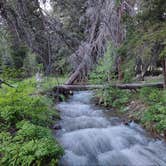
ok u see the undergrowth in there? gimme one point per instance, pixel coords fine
(112, 97)
(155, 114)
(25, 120)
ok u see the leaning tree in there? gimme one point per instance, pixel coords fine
(104, 24)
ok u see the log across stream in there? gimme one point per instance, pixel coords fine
(91, 138)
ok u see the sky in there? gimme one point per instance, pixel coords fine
(47, 6)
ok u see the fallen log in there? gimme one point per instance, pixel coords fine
(79, 87)
(76, 74)
(138, 85)
(131, 86)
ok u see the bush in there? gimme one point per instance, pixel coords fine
(12, 73)
(113, 97)
(31, 144)
(150, 95)
(105, 69)
(128, 71)
(16, 106)
(25, 137)
(156, 110)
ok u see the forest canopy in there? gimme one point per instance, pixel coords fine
(71, 36)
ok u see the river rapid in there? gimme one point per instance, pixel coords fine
(92, 138)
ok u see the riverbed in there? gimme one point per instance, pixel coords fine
(92, 138)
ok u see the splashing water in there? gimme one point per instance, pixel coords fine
(92, 139)
(38, 77)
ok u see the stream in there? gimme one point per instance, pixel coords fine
(92, 138)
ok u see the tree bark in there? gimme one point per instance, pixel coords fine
(164, 71)
(132, 86)
(74, 77)
(120, 73)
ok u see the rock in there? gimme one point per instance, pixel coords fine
(57, 127)
(132, 102)
(125, 122)
(162, 134)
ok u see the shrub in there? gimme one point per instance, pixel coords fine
(156, 110)
(15, 106)
(105, 69)
(150, 95)
(12, 73)
(113, 97)
(32, 145)
(25, 137)
(128, 71)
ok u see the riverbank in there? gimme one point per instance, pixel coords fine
(90, 137)
(26, 120)
(146, 107)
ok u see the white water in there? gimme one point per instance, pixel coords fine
(90, 138)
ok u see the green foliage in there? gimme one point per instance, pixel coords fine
(25, 137)
(154, 116)
(153, 10)
(5, 49)
(128, 71)
(163, 53)
(156, 112)
(112, 97)
(31, 145)
(16, 106)
(145, 35)
(30, 65)
(18, 56)
(104, 69)
(70, 12)
(15, 63)
(150, 95)
(117, 2)
(61, 63)
(13, 73)
(144, 46)
(50, 82)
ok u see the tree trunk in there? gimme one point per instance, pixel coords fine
(164, 71)
(74, 77)
(132, 86)
(120, 73)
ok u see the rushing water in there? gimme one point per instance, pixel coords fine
(90, 138)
